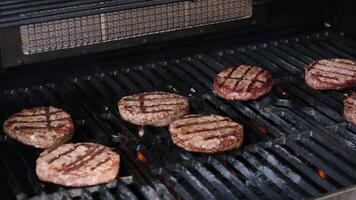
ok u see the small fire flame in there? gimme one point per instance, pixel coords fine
(263, 130)
(179, 197)
(140, 156)
(230, 169)
(321, 173)
(233, 172)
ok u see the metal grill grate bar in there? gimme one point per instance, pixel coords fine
(288, 153)
(290, 174)
(302, 168)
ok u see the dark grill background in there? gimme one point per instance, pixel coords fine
(44, 30)
(131, 23)
(297, 142)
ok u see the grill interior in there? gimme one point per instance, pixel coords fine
(297, 143)
(112, 26)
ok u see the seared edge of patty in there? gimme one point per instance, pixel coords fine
(80, 164)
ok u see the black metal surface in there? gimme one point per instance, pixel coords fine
(13, 56)
(71, 28)
(268, 14)
(297, 144)
(15, 12)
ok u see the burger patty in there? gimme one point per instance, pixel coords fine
(206, 134)
(81, 164)
(153, 108)
(41, 127)
(243, 83)
(350, 108)
(331, 74)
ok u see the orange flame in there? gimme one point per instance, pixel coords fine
(233, 172)
(230, 169)
(321, 173)
(179, 197)
(263, 130)
(140, 156)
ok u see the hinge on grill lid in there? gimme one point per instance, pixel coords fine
(102, 28)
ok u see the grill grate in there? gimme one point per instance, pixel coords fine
(112, 26)
(297, 143)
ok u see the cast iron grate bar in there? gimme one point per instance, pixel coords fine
(51, 96)
(297, 143)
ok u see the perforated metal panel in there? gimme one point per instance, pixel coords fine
(119, 25)
(61, 34)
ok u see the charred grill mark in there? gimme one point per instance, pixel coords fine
(211, 129)
(49, 126)
(228, 76)
(254, 80)
(64, 153)
(164, 97)
(341, 67)
(317, 75)
(36, 115)
(143, 108)
(334, 72)
(34, 128)
(240, 79)
(161, 110)
(100, 163)
(191, 116)
(201, 123)
(243, 77)
(82, 160)
(141, 100)
(236, 137)
(35, 125)
(129, 99)
(40, 121)
(157, 105)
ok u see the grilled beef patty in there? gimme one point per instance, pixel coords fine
(75, 165)
(331, 74)
(206, 134)
(41, 127)
(153, 108)
(350, 108)
(243, 83)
